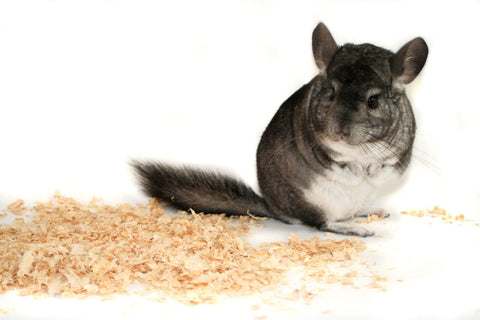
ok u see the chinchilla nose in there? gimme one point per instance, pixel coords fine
(341, 133)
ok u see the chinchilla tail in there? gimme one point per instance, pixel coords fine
(203, 191)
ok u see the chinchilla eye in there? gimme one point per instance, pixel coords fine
(372, 102)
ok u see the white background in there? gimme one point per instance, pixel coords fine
(87, 86)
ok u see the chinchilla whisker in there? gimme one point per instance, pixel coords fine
(417, 156)
(383, 151)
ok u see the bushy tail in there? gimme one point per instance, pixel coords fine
(203, 191)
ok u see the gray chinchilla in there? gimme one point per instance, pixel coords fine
(327, 151)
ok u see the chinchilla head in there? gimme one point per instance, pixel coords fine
(358, 98)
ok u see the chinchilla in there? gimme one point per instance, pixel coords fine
(327, 151)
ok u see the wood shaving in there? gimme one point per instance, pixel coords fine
(438, 212)
(72, 249)
(17, 207)
(375, 282)
(378, 286)
(371, 218)
(414, 213)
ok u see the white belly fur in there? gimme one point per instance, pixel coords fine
(340, 193)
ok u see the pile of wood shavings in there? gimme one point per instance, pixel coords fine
(66, 248)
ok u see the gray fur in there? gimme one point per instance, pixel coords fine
(346, 132)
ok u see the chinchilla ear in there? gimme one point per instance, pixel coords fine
(407, 63)
(324, 47)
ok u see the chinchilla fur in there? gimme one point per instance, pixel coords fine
(327, 151)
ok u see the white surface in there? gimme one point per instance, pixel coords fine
(87, 86)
